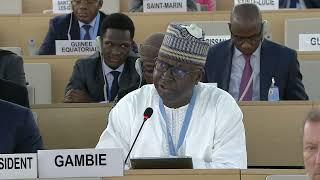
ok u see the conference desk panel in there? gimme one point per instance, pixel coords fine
(35, 26)
(61, 70)
(9, 31)
(273, 130)
(37, 6)
(68, 126)
(179, 174)
(261, 174)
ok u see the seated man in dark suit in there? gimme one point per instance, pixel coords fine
(11, 67)
(82, 24)
(245, 65)
(110, 74)
(18, 130)
(14, 93)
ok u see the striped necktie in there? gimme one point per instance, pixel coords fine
(86, 27)
(245, 79)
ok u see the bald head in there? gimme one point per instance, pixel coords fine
(246, 27)
(148, 52)
(155, 40)
(246, 13)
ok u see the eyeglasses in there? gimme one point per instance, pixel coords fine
(251, 39)
(89, 2)
(176, 72)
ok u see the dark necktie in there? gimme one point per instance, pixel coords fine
(247, 72)
(115, 85)
(87, 35)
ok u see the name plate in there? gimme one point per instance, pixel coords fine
(61, 6)
(164, 5)
(80, 163)
(212, 40)
(309, 42)
(75, 47)
(18, 166)
(262, 4)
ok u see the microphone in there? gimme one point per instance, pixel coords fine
(146, 115)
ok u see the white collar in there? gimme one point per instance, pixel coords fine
(107, 69)
(92, 23)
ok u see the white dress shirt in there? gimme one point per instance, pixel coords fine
(238, 63)
(108, 76)
(175, 119)
(93, 31)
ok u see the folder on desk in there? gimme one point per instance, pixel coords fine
(162, 163)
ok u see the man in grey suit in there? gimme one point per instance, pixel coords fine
(11, 67)
(110, 74)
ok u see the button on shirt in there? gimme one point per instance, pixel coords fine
(109, 76)
(93, 31)
(238, 63)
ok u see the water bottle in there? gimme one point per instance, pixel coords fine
(31, 94)
(32, 47)
(273, 94)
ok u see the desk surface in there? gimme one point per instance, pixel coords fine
(180, 174)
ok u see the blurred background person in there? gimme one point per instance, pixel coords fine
(15, 93)
(149, 50)
(298, 4)
(311, 144)
(11, 67)
(207, 5)
(246, 65)
(82, 24)
(19, 132)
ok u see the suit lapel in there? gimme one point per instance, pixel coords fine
(75, 30)
(266, 69)
(125, 76)
(99, 78)
(102, 16)
(226, 69)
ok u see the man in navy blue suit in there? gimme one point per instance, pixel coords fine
(245, 65)
(82, 24)
(18, 130)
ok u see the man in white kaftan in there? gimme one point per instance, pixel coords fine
(207, 126)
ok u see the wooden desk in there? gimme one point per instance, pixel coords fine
(67, 126)
(273, 130)
(61, 70)
(179, 174)
(261, 174)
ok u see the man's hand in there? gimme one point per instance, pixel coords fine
(77, 96)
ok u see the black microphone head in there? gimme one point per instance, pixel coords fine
(147, 113)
